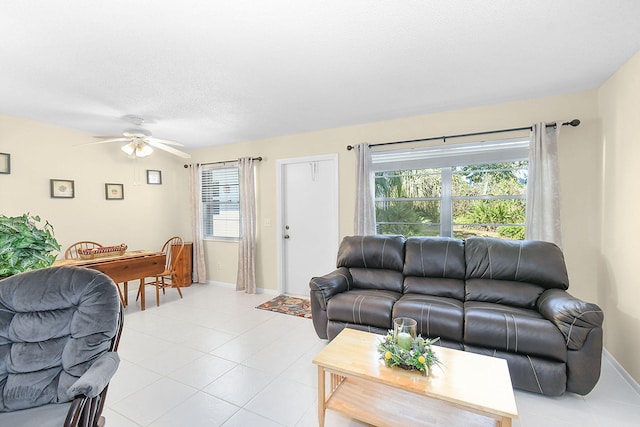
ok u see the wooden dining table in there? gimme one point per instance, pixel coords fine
(133, 265)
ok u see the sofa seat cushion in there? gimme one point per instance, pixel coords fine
(512, 329)
(436, 316)
(363, 307)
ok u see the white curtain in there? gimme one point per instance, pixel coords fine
(199, 267)
(365, 215)
(543, 185)
(246, 279)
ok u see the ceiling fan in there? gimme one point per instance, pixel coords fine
(140, 142)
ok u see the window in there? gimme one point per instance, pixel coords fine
(220, 191)
(457, 190)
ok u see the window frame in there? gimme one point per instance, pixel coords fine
(445, 159)
(217, 204)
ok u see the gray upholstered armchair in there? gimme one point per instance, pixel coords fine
(59, 332)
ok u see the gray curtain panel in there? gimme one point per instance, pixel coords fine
(246, 279)
(199, 267)
(543, 186)
(365, 214)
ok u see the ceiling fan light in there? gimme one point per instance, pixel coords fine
(143, 150)
(129, 149)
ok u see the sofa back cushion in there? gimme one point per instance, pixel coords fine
(512, 272)
(530, 261)
(434, 266)
(515, 294)
(371, 278)
(378, 251)
(375, 262)
(54, 323)
(449, 288)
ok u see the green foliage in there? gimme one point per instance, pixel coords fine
(24, 246)
(484, 197)
(399, 218)
(493, 212)
(513, 232)
(419, 357)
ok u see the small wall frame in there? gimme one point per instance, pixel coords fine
(5, 163)
(62, 189)
(154, 177)
(114, 191)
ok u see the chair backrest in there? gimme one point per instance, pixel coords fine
(72, 251)
(172, 249)
(54, 323)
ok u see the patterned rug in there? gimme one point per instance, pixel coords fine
(286, 304)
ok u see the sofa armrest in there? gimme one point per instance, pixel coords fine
(331, 284)
(97, 377)
(574, 317)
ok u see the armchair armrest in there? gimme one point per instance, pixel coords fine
(331, 284)
(97, 377)
(574, 317)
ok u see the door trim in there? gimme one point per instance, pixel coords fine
(280, 164)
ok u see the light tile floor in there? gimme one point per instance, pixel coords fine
(213, 359)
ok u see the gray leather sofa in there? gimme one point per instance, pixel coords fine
(495, 297)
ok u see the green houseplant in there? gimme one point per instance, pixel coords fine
(24, 245)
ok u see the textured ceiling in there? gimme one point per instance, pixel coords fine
(217, 72)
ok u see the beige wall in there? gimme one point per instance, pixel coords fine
(147, 216)
(578, 156)
(619, 291)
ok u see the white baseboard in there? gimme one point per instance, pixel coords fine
(233, 286)
(221, 284)
(618, 367)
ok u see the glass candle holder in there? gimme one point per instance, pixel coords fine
(404, 331)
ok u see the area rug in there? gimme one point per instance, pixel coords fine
(286, 304)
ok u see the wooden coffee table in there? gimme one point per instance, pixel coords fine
(468, 390)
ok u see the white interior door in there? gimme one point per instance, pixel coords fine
(308, 223)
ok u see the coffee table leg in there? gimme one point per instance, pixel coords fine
(504, 422)
(321, 396)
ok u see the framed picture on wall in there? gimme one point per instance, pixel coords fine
(5, 163)
(114, 191)
(154, 177)
(62, 189)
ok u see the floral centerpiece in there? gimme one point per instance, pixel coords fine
(419, 355)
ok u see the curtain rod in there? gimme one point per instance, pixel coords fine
(259, 159)
(574, 123)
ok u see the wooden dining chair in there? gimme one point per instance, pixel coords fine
(72, 252)
(167, 279)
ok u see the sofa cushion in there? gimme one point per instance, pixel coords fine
(434, 257)
(512, 329)
(372, 252)
(436, 316)
(518, 261)
(448, 288)
(363, 307)
(364, 278)
(517, 294)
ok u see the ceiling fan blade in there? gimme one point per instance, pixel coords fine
(108, 136)
(104, 141)
(165, 141)
(161, 146)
